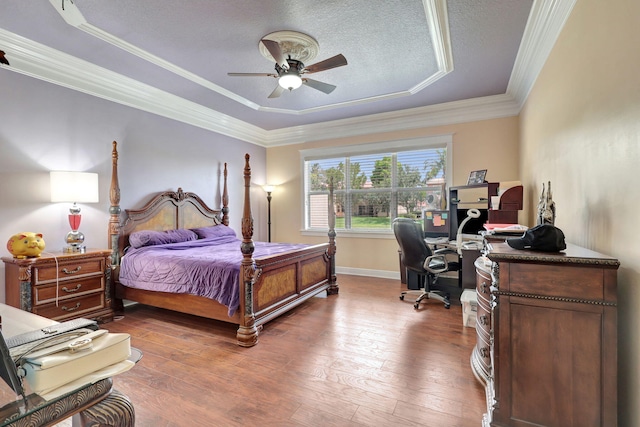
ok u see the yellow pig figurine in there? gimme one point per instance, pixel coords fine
(26, 245)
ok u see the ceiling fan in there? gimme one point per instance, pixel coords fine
(290, 71)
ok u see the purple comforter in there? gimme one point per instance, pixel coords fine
(205, 267)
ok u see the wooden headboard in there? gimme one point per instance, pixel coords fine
(166, 211)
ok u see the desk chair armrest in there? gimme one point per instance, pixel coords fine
(445, 251)
(442, 258)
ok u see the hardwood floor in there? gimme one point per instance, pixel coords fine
(361, 358)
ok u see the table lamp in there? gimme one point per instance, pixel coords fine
(74, 187)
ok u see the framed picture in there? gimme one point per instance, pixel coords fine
(477, 177)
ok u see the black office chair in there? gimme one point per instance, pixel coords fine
(418, 257)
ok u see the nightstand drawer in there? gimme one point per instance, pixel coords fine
(69, 269)
(72, 307)
(67, 289)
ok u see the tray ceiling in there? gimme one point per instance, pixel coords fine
(408, 60)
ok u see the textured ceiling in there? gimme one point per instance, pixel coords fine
(401, 54)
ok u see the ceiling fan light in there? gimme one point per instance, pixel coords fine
(290, 81)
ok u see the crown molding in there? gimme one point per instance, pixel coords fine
(72, 16)
(435, 15)
(468, 110)
(546, 20)
(42, 62)
(543, 27)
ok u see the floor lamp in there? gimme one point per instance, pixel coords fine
(269, 189)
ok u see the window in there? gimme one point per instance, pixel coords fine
(375, 183)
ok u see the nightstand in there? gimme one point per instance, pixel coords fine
(61, 286)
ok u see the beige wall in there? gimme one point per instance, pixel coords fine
(490, 144)
(580, 129)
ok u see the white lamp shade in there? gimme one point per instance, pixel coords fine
(80, 187)
(269, 188)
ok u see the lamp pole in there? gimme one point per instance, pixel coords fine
(269, 213)
(269, 189)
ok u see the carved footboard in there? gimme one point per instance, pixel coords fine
(285, 280)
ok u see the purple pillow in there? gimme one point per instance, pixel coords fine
(214, 231)
(152, 238)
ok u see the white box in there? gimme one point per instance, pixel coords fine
(469, 302)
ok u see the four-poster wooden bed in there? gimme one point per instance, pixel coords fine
(268, 286)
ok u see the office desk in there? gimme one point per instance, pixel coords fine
(89, 404)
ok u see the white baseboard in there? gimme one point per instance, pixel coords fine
(384, 274)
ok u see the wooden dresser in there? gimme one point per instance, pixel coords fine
(553, 337)
(61, 286)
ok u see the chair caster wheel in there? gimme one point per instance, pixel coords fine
(416, 305)
(401, 297)
(447, 306)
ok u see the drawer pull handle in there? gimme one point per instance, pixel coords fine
(484, 320)
(483, 287)
(484, 352)
(75, 270)
(65, 308)
(77, 288)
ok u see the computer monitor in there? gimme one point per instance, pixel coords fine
(436, 223)
(472, 227)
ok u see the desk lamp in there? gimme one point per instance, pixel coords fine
(74, 187)
(471, 213)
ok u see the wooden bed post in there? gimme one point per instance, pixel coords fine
(114, 227)
(331, 252)
(114, 209)
(225, 198)
(247, 334)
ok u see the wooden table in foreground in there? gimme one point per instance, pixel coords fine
(95, 404)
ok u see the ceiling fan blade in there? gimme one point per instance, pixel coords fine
(333, 62)
(276, 52)
(276, 92)
(252, 74)
(322, 87)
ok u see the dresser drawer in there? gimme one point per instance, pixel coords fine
(67, 289)
(557, 280)
(69, 269)
(483, 285)
(71, 307)
(483, 355)
(483, 321)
